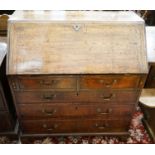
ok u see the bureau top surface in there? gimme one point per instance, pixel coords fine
(100, 16)
(85, 42)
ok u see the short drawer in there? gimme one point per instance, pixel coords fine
(44, 82)
(31, 111)
(6, 123)
(74, 126)
(72, 97)
(110, 81)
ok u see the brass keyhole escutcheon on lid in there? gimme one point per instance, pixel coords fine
(76, 27)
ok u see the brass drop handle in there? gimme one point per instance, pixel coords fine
(108, 84)
(48, 83)
(50, 129)
(108, 111)
(101, 127)
(108, 98)
(104, 126)
(48, 96)
(49, 113)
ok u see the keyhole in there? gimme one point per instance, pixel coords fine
(76, 27)
(76, 108)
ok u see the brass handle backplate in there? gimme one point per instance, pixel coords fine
(45, 126)
(108, 98)
(49, 113)
(48, 83)
(48, 96)
(108, 84)
(102, 127)
(108, 111)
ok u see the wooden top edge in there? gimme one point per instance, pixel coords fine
(106, 16)
(74, 73)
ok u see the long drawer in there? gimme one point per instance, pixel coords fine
(31, 111)
(102, 96)
(6, 123)
(73, 82)
(74, 126)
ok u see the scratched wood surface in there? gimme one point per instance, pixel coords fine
(83, 42)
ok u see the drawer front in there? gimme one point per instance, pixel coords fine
(44, 82)
(31, 111)
(74, 126)
(72, 97)
(109, 81)
(6, 123)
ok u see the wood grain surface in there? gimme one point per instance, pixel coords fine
(77, 47)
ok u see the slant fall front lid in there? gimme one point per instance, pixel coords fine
(76, 42)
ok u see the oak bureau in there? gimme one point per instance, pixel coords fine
(76, 72)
